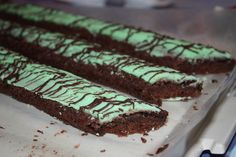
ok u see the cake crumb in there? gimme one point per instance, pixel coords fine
(103, 150)
(195, 108)
(36, 136)
(150, 154)
(161, 149)
(84, 134)
(1, 127)
(145, 134)
(77, 146)
(55, 152)
(35, 139)
(52, 123)
(214, 81)
(61, 132)
(40, 131)
(143, 140)
(43, 146)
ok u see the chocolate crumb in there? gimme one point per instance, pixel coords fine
(40, 131)
(36, 136)
(195, 107)
(143, 140)
(149, 154)
(43, 146)
(84, 134)
(35, 140)
(46, 127)
(55, 152)
(102, 151)
(63, 131)
(161, 149)
(52, 123)
(77, 146)
(33, 147)
(2, 127)
(214, 81)
(145, 134)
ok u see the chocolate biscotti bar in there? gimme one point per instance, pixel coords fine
(137, 77)
(74, 100)
(153, 47)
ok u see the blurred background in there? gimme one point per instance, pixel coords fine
(151, 4)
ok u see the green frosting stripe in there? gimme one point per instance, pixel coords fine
(67, 89)
(155, 44)
(81, 51)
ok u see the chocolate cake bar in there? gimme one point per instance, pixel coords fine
(74, 100)
(153, 47)
(134, 76)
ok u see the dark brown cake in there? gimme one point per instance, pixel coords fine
(74, 100)
(134, 76)
(153, 47)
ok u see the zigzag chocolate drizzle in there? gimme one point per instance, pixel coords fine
(154, 44)
(81, 51)
(67, 89)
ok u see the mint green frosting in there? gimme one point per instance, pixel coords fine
(67, 89)
(80, 51)
(155, 44)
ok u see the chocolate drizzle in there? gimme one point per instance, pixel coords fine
(67, 89)
(150, 46)
(154, 44)
(83, 52)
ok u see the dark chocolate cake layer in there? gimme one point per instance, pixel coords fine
(74, 100)
(134, 76)
(153, 47)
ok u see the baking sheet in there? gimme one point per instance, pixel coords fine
(25, 131)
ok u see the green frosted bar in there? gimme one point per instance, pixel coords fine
(67, 89)
(80, 51)
(154, 44)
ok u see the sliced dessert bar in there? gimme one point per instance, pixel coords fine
(137, 77)
(74, 100)
(153, 47)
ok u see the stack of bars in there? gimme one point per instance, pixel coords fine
(48, 58)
